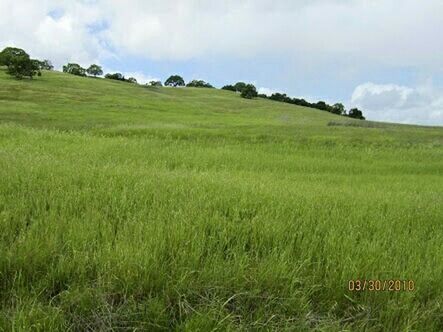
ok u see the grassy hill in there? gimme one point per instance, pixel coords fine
(124, 207)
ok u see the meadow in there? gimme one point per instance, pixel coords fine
(125, 207)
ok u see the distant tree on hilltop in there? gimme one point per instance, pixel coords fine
(356, 114)
(9, 53)
(321, 105)
(115, 76)
(155, 83)
(199, 84)
(95, 70)
(229, 88)
(131, 80)
(175, 80)
(249, 91)
(239, 86)
(338, 108)
(277, 96)
(74, 69)
(19, 63)
(24, 67)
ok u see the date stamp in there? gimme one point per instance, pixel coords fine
(376, 285)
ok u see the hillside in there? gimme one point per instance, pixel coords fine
(124, 206)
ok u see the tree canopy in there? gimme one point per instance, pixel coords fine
(229, 87)
(19, 63)
(44, 64)
(239, 86)
(249, 91)
(175, 80)
(94, 70)
(8, 55)
(338, 108)
(22, 66)
(155, 83)
(74, 69)
(356, 113)
(199, 84)
(115, 76)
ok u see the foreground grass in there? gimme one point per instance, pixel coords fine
(124, 207)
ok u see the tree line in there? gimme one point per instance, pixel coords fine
(20, 65)
(249, 91)
(337, 108)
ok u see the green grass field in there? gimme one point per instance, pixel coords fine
(125, 207)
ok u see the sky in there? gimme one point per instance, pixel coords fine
(382, 56)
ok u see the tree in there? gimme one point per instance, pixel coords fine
(44, 65)
(229, 88)
(155, 83)
(280, 97)
(22, 66)
(301, 102)
(10, 53)
(321, 105)
(239, 86)
(199, 84)
(249, 91)
(74, 69)
(356, 114)
(338, 108)
(175, 80)
(95, 70)
(19, 63)
(116, 76)
(131, 80)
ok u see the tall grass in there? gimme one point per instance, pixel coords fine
(126, 208)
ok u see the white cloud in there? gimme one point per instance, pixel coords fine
(394, 103)
(63, 38)
(381, 31)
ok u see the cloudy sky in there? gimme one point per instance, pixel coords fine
(383, 56)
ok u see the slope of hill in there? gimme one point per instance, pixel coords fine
(123, 207)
